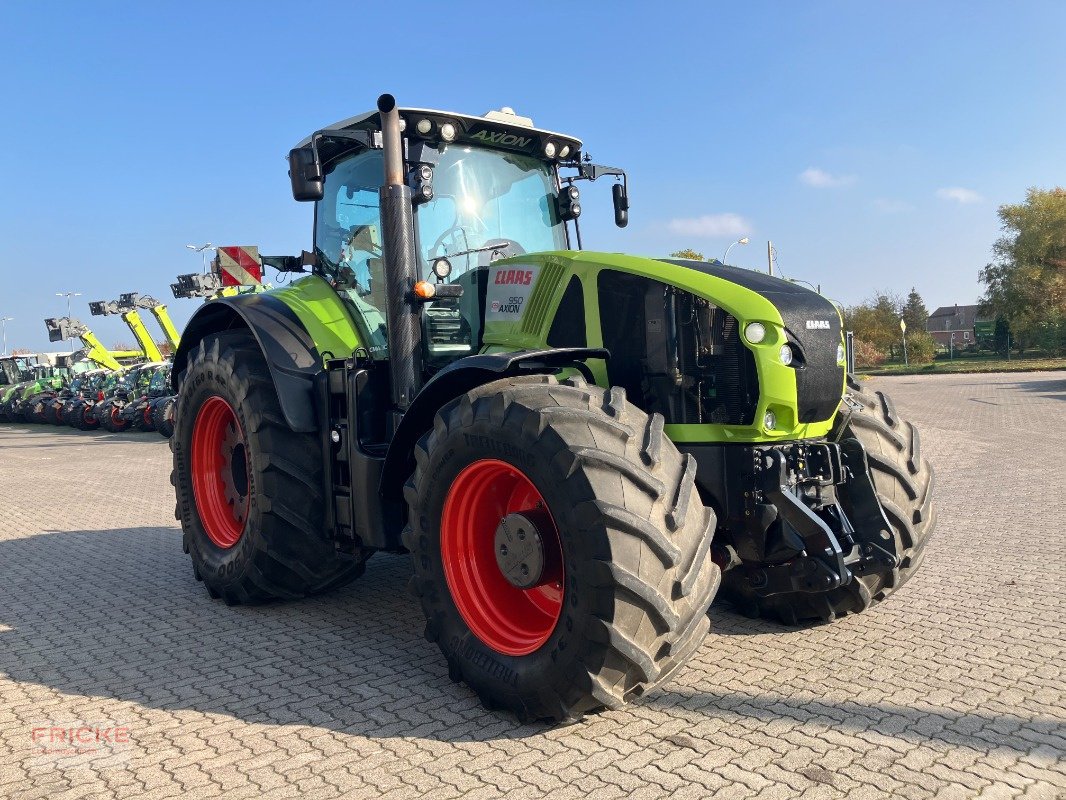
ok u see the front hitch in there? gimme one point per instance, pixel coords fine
(824, 497)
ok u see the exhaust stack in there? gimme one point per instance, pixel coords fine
(401, 266)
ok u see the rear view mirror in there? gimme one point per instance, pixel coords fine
(621, 205)
(305, 173)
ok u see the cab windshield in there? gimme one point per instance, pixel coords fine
(487, 204)
(9, 372)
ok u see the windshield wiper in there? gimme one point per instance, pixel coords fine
(483, 249)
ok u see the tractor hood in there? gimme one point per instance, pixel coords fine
(532, 300)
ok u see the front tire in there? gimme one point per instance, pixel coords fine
(109, 415)
(621, 547)
(249, 489)
(83, 416)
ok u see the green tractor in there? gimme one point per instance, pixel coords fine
(576, 448)
(16, 373)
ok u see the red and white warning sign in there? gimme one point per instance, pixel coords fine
(240, 266)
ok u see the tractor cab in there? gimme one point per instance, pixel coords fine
(482, 189)
(9, 371)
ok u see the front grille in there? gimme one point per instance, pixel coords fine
(726, 390)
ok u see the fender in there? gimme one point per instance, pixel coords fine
(457, 379)
(290, 352)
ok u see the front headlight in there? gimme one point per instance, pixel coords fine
(755, 332)
(786, 354)
(841, 354)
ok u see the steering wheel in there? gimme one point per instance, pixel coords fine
(451, 234)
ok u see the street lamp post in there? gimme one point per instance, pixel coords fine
(69, 295)
(744, 240)
(3, 323)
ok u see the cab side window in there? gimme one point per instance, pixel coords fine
(348, 221)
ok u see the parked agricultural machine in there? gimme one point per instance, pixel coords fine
(130, 315)
(63, 328)
(573, 446)
(124, 400)
(20, 373)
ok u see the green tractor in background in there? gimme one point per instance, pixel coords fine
(16, 373)
(46, 378)
(78, 399)
(153, 383)
(575, 447)
(115, 410)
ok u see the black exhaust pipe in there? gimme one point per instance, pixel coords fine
(401, 266)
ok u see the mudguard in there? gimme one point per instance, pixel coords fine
(289, 349)
(458, 378)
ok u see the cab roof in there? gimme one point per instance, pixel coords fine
(504, 130)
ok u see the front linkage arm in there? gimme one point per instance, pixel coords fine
(806, 487)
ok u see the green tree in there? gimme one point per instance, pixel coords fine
(914, 312)
(1025, 284)
(690, 254)
(876, 322)
(921, 347)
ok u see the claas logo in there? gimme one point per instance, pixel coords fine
(514, 277)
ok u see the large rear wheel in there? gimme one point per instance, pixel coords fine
(903, 481)
(561, 551)
(249, 488)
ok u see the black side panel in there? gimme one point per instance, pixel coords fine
(622, 323)
(679, 354)
(568, 327)
(290, 352)
(458, 378)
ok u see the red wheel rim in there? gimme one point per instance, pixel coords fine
(116, 415)
(509, 619)
(146, 415)
(220, 472)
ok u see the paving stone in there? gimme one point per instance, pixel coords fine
(954, 687)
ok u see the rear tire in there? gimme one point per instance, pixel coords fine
(904, 482)
(234, 454)
(623, 600)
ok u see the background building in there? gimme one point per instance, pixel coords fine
(956, 319)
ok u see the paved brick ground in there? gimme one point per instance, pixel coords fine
(952, 689)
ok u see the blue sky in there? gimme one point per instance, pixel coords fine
(872, 142)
